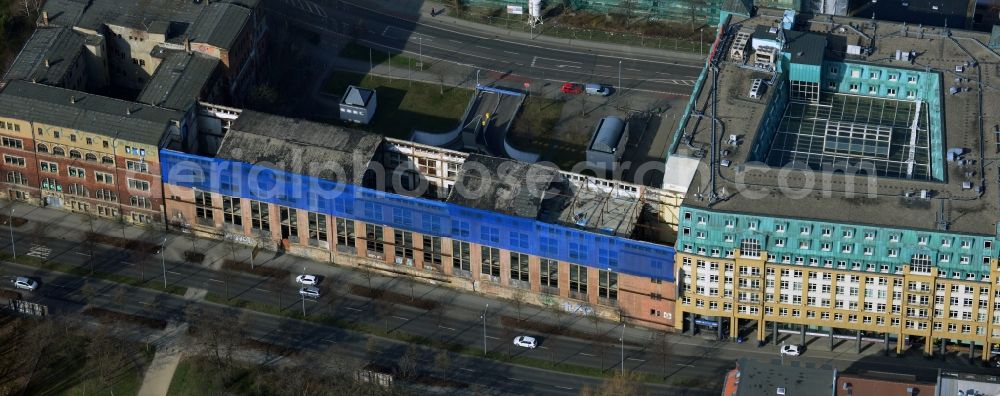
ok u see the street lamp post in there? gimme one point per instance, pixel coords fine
(10, 222)
(484, 327)
(619, 74)
(701, 41)
(163, 260)
(477, 78)
(623, 348)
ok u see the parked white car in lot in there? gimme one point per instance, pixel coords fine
(790, 350)
(309, 292)
(525, 341)
(307, 280)
(25, 283)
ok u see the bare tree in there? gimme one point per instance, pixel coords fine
(119, 296)
(87, 291)
(139, 257)
(408, 363)
(106, 353)
(661, 349)
(384, 309)
(518, 299)
(368, 274)
(442, 362)
(620, 384)
(371, 348)
(194, 242)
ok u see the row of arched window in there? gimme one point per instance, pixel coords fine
(74, 154)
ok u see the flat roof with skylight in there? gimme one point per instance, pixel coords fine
(859, 121)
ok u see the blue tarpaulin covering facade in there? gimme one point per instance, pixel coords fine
(419, 215)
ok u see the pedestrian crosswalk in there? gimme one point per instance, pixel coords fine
(39, 251)
(307, 6)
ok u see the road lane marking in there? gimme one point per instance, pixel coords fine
(215, 280)
(586, 354)
(263, 290)
(570, 66)
(685, 365)
(632, 69)
(562, 387)
(449, 328)
(353, 309)
(465, 369)
(510, 52)
(399, 317)
(638, 360)
(82, 254)
(329, 340)
(492, 337)
(172, 272)
(484, 47)
(603, 66)
(544, 347)
(515, 379)
(456, 41)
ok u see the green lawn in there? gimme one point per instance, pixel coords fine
(404, 105)
(378, 56)
(196, 376)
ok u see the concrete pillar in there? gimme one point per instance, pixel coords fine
(944, 342)
(900, 341)
(774, 332)
(802, 332)
(972, 351)
(986, 351)
(929, 346)
(690, 320)
(718, 329)
(734, 328)
(886, 346)
(858, 342)
(761, 327)
(831, 338)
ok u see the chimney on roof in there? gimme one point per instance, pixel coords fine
(45, 18)
(187, 44)
(46, 62)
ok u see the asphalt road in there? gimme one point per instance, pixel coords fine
(62, 293)
(461, 323)
(690, 357)
(484, 50)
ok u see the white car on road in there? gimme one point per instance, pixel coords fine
(309, 292)
(307, 280)
(525, 341)
(790, 350)
(25, 283)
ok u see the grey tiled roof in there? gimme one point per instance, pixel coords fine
(86, 112)
(502, 185)
(300, 146)
(219, 24)
(59, 45)
(213, 22)
(356, 96)
(179, 80)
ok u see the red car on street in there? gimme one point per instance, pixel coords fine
(570, 88)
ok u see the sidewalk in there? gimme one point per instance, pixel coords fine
(419, 11)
